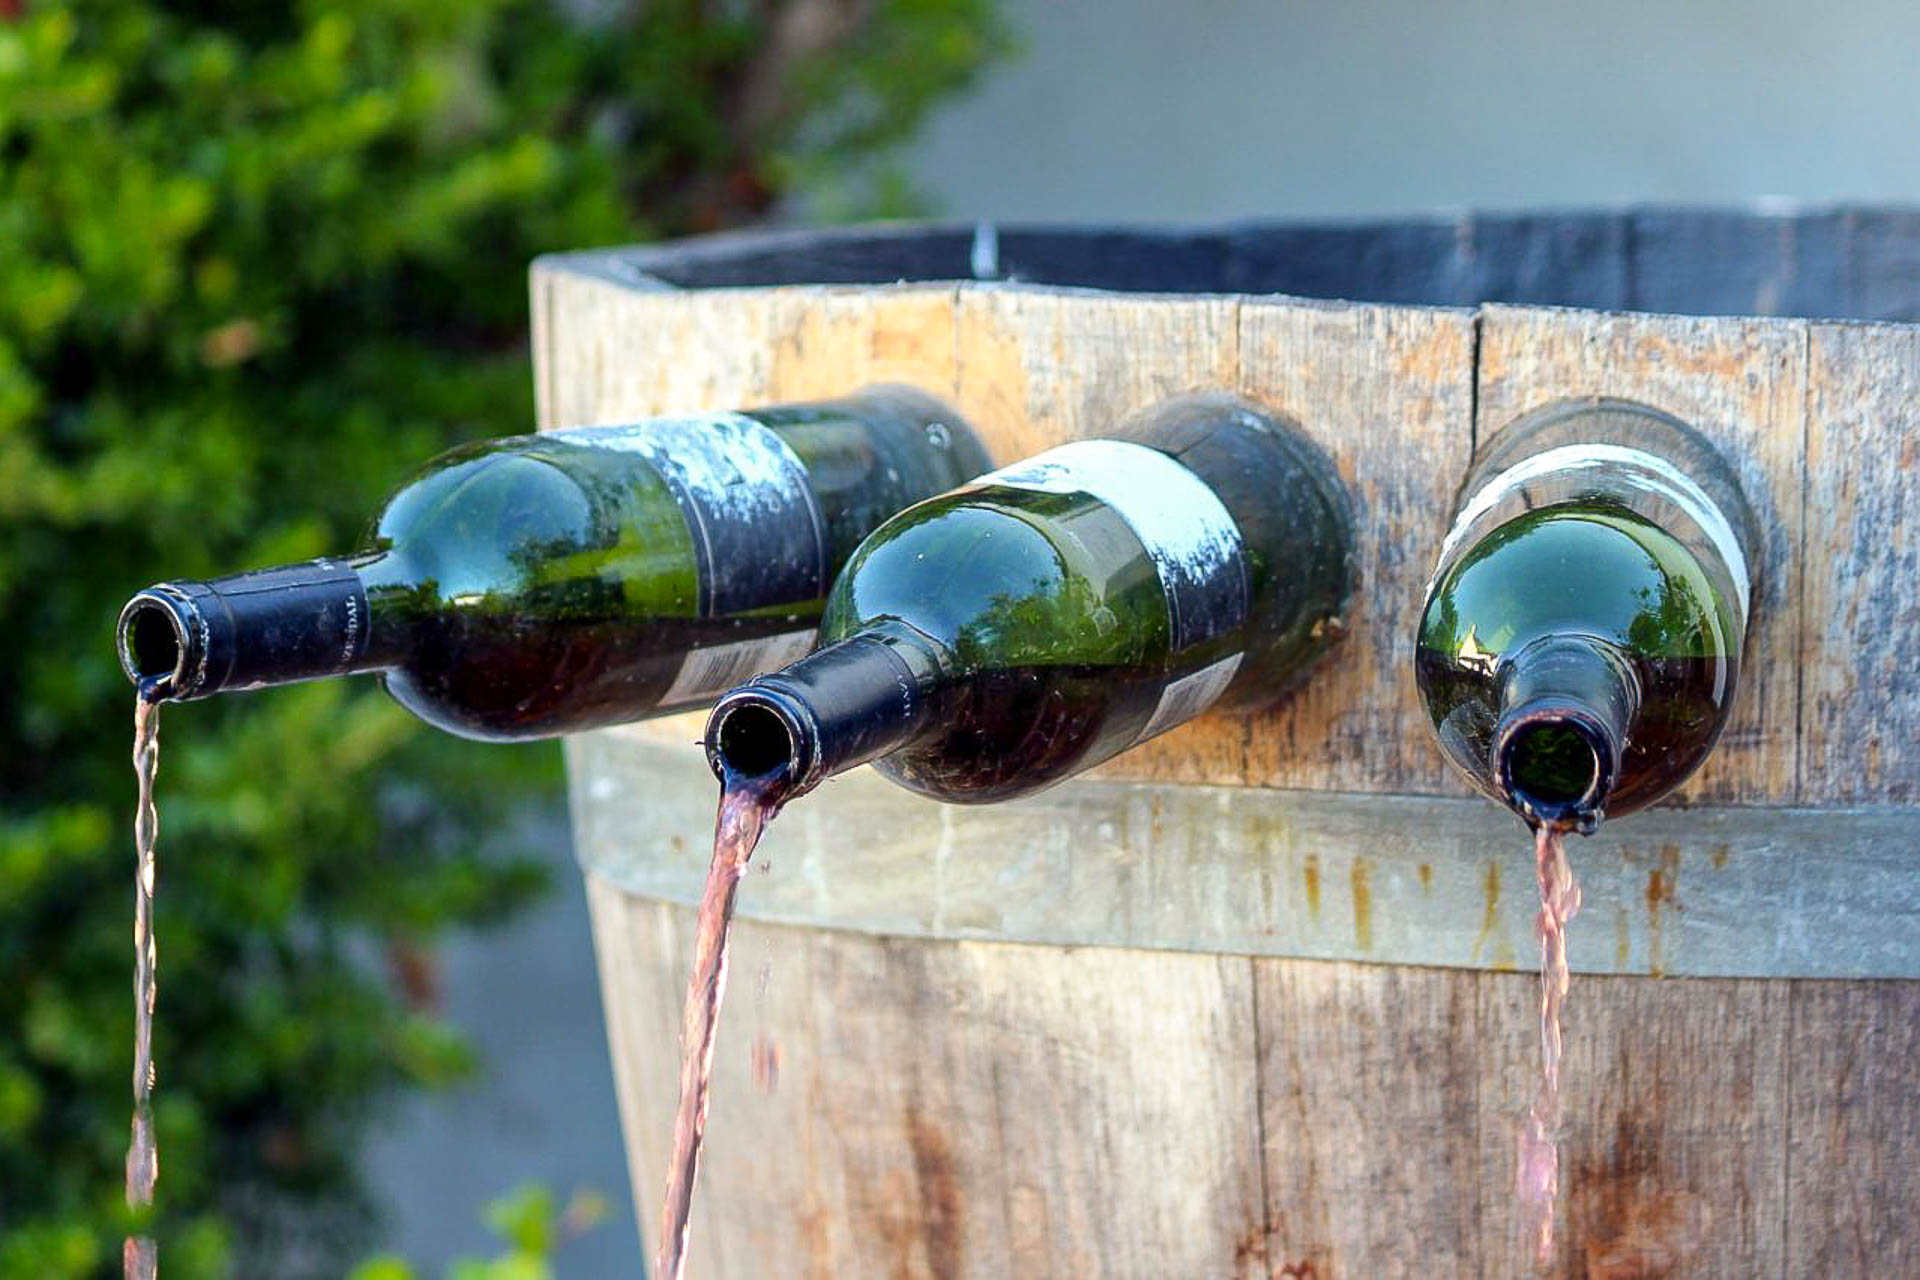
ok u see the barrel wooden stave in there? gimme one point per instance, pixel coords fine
(951, 1108)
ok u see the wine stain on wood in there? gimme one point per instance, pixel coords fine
(1630, 1222)
(1310, 872)
(814, 1223)
(1362, 905)
(1660, 885)
(942, 1207)
(1490, 916)
(1250, 1251)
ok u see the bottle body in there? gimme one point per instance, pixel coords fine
(994, 640)
(545, 584)
(1581, 640)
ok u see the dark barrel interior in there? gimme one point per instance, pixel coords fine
(1830, 263)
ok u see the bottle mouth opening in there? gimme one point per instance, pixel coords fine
(754, 738)
(1555, 767)
(153, 644)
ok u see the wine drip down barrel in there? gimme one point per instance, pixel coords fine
(1583, 630)
(544, 584)
(999, 638)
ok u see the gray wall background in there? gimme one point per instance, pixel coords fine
(1196, 110)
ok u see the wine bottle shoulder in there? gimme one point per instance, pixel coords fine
(535, 517)
(1008, 577)
(1591, 568)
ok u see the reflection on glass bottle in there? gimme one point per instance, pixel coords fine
(543, 584)
(999, 638)
(1582, 634)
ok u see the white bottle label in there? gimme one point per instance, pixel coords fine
(1187, 531)
(758, 534)
(1191, 694)
(708, 672)
(1651, 470)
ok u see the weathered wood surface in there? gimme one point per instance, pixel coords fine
(1710, 891)
(1859, 651)
(967, 1108)
(944, 1110)
(960, 1107)
(1830, 703)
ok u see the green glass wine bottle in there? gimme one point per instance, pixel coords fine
(1581, 640)
(997, 639)
(537, 585)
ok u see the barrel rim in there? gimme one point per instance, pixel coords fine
(1848, 263)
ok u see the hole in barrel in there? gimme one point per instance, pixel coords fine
(153, 643)
(754, 741)
(1552, 765)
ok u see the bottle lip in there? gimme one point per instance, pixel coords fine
(160, 638)
(759, 731)
(1528, 725)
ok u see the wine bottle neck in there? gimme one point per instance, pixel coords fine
(838, 707)
(187, 640)
(1566, 705)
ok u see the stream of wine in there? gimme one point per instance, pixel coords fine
(1538, 1169)
(746, 806)
(139, 1255)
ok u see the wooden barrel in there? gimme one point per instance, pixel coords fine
(1255, 999)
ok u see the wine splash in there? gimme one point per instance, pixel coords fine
(139, 1255)
(746, 806)
(1538, 1171)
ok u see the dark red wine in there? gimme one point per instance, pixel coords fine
(1685, 697)
(1050, 615)
(1581, 641)
(545, 584)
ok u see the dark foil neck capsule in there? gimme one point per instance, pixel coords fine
(836, 708)
(186, 640)
(1566, 706)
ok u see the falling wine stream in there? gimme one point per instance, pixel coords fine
(139, 1255)
(746, 806)
(1538, 1170)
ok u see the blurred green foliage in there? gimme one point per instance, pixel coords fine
(527, 1222)
(257, 261)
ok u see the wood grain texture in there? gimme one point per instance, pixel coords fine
(1854, 1184)
(609, 353)
(945, 1109)
(962, 1109)
(1743, 383)
(1038, 367)
(1367, 1109)
(1674, 1138)
(1859, 651)
(1389, 393)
